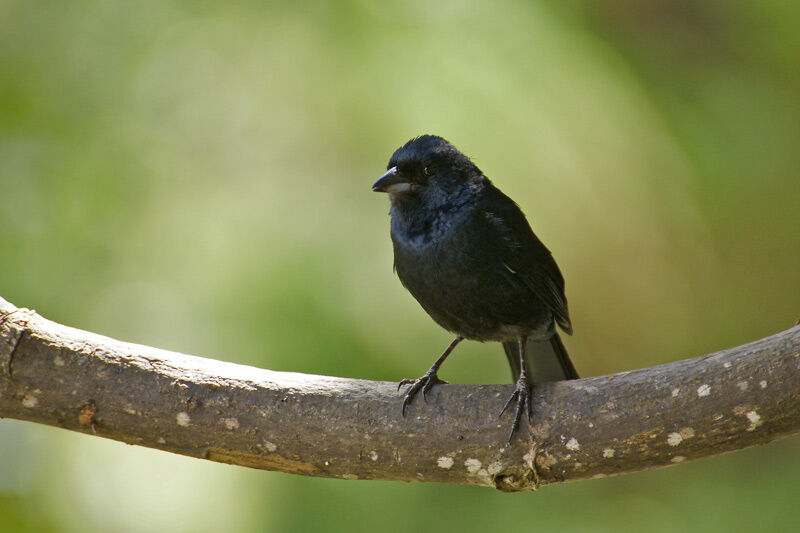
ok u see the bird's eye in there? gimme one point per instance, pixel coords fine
(428, 170)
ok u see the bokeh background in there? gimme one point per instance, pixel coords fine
(196, 176)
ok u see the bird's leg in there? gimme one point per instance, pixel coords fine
(426, 382)
(522, 394)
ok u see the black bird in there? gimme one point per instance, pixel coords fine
(467, 254)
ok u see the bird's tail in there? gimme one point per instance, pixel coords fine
(547, 360)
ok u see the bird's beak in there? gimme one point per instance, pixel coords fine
(392, 182)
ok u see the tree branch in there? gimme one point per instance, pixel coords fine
(349, 428)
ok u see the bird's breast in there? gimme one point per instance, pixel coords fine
(455, 271)
(431, 255)
(423, 234)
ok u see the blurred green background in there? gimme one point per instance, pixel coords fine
(196, 176)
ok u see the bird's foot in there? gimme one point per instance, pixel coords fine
(522, 396)
(425, 384)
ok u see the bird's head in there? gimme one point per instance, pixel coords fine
(427, 169)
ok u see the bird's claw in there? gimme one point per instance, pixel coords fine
(522, 396)
(425, 383)
(404, 381)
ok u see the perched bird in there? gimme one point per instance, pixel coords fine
(467, 254)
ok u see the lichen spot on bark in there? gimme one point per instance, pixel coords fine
(183, 419)
(446, 462)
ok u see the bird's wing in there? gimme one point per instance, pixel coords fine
(525, 256)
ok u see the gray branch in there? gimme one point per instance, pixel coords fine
(352, 429)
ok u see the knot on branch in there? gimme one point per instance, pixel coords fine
(13, 326)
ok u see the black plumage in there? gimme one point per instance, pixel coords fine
(466, 252)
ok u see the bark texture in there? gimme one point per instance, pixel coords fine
(352, 429)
